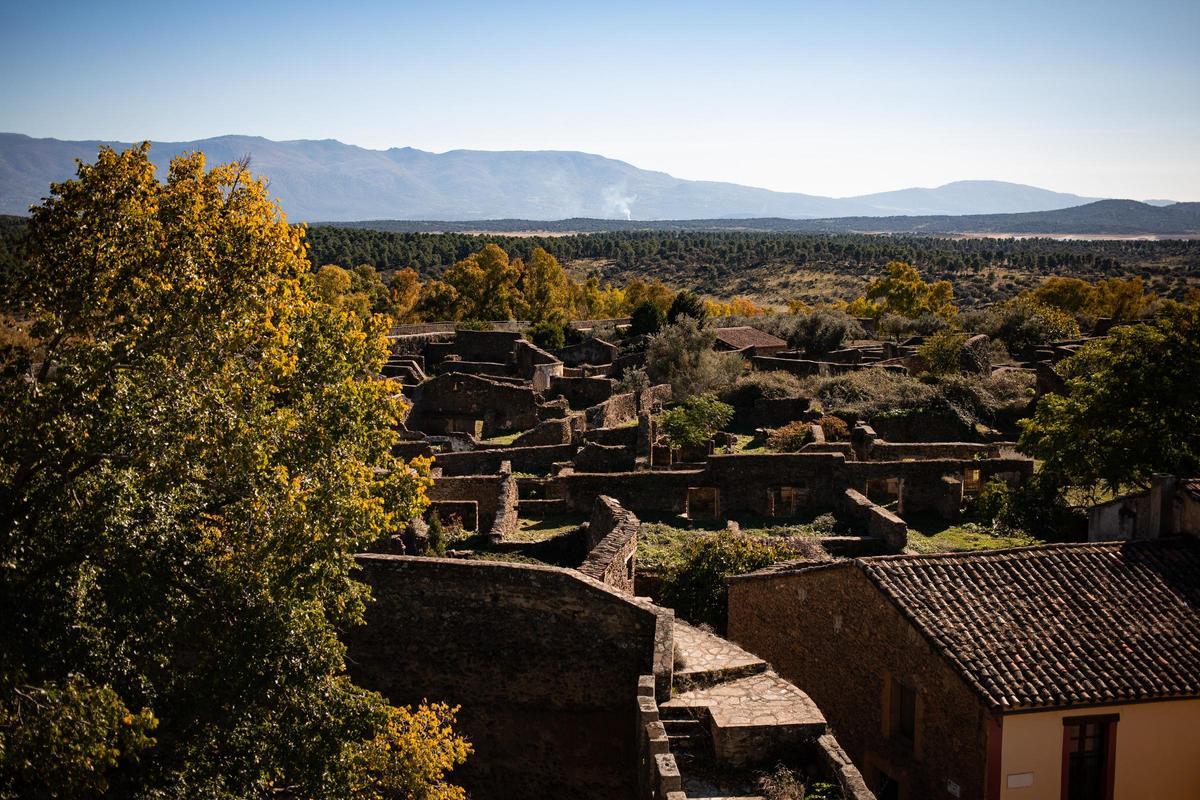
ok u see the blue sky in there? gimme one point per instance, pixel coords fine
(834, 98)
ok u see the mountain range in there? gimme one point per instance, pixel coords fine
(326, 180)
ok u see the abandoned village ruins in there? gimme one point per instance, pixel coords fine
(861, 665)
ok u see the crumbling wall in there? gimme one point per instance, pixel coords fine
(455, 400)
(482, 490)
(647, 492)
(616, 410)
(547, 432)
(612, 540)
(544, 663)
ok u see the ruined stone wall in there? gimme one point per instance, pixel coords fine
(876, 521)
(543, 661)
(626, 436)
(832, 633)
(593, 457)
(547, 432)
(483, 490)
(582, 393)
(458, 397)
(915, 425)
(590, 351)
(880, 450)
(616, 410)
(660, 491)
(612, 540)
(533, 460)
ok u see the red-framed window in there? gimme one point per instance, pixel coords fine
(1089, 757)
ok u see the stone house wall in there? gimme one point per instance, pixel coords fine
(483, 490)
(832, 632)
(544, 663)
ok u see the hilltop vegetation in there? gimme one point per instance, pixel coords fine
(770, 268)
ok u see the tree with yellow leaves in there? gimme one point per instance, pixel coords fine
(903, 291)
(546, 289)
(487, 283)
(193, 445)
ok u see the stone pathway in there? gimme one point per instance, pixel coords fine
(705, 659)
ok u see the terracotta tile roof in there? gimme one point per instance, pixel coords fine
(1192, 487)
(1058, 625)
(745, 336)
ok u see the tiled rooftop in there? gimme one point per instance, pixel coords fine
(1059, 625)
(744, 336)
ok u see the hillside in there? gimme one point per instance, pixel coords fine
(332, 181)
(1103, 217)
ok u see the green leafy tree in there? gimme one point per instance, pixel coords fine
(682, 356)
(646, 318)
(904, 292)
(192, 448)
(1131, 408)
(695, 420)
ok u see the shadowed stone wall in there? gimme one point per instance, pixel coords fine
(544, 662)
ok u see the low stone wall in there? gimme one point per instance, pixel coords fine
(547, 432)
(880, 450)
(625, 436)
(658, 776)
(507, 520)
(595, 457)
(544, 663)
(533, 460)
(804, 367)
(876, 521)
(647, 492)
(612, 538)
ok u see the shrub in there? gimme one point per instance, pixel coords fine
(772, 385)
(942, 352)
(1024, 322)
(695, 420)
(783, 783)
(790, 437)
(682, 356)
(834, 428)
(696, 588)
(437, 534)
(548, 335)
(633, 381)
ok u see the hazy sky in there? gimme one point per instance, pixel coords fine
(832, 97)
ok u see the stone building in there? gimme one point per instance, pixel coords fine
(1170, 506)
(748, 341)
(1059, 671)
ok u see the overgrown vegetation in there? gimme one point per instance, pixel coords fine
(696, 587)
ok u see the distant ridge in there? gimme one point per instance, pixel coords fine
(329, 180)
(1101, 218)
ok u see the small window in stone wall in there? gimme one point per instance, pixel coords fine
(902, 715)
(629, 568)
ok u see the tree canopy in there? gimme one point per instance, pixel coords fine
(1131, 408)
(194, 441)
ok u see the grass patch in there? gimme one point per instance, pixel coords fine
(933, 535)
(508, 438)
(661, 540)
(537, 530)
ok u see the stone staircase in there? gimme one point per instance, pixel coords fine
(728, 708)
